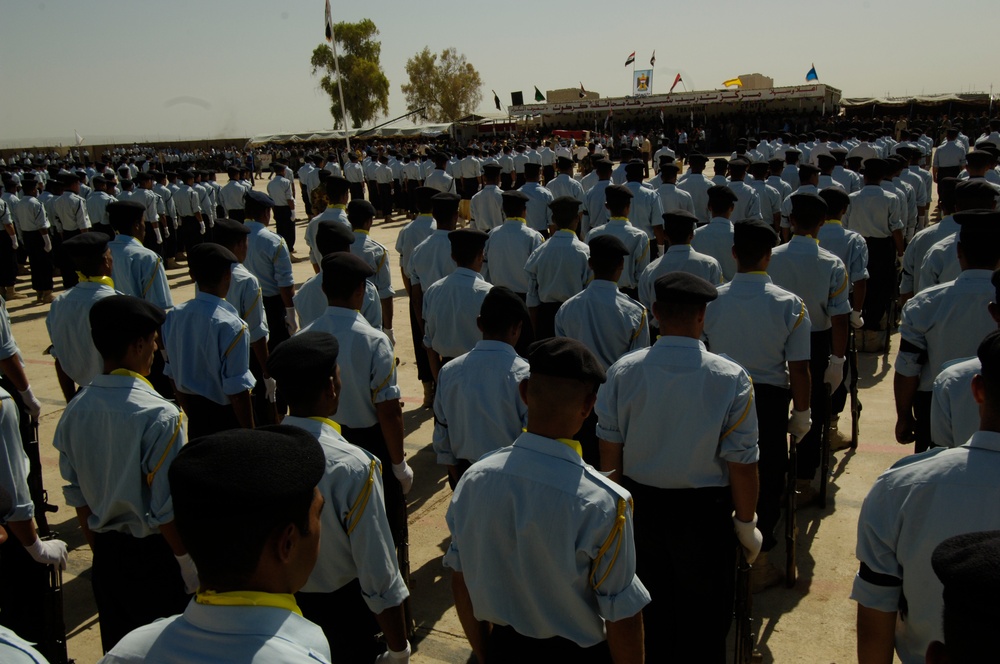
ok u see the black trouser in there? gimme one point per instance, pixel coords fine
(161, 383)
(419, 350)
(505, 644)
(274, 312)
(461, 465)
(67, 270)
(346, 621)
(548, 172)
(385, 199)
(136, 581)
(373, 194)
(545, 320)
(809, 447)
(654, 249)
(284, 225)
(922, 420)
(771, 403)
(8, 263)
(169, 246)
(881, 273)
(23, 590)
(470, 186)
(527, 331)
(685, 553)
(238, 214)
(411, 196)
(947, 172)
(371, 439)
(191, 231)
(587, 436)
(518, 180)
(506, 180)
(206, 417)
(357, 190)
(149, 239)
(307, 201)
(263, 410)
(398, 195)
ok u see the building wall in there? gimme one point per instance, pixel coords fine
(756, 81)
(568, 94)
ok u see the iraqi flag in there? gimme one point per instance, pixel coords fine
(652, 60)
(677, 79)
(583, 93)
(628, 60)
(329, 23)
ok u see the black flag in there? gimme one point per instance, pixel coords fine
(496, 99)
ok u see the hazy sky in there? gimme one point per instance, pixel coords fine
(170, 69)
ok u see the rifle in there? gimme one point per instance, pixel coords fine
(852, 362)
(824, 450)
(744, 651)
(403, 558)
(55, 623)
(790, 527)
(39, 496)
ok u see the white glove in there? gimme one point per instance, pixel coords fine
(799, 424)
(404, 474)
(33, 405)
(856, 320)
(13, 242)
(211, 222)
(750, 538)
(159, 238)
(834, 374)
(392, 337)
(47, 243)
(188, 572)
(49, 552)
(290, 323)
(390, 656)
(201, 225)
(271, 385)
(166, 231)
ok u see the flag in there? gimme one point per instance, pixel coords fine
(538, 94)
(79, 138)
(630, 59)
(652, 60)
(733, 81)
(677, 79)
(662, 122)
(811, 74)
(496, 99)
(608, 119)
(583, 93)
(329, 22)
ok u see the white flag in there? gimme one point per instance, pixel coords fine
(79, 138)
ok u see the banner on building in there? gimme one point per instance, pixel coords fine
(642, 83)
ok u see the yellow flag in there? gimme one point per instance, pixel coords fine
(734, 81)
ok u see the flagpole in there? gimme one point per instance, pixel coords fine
(340, 86)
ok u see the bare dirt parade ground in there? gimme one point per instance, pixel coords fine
(811, 622)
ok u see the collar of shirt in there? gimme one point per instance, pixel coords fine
(979, 275)
(121, 378)
(721, 220)
(679, 249)
(208, 297)
(752, 277)
(254, 226)
(672, 341)
(495, 346)
(984, 440)
(563, 234)
(336, 206)
(466, 272)
(99, 281)
(618, 221)
(520, 220)
(803, 242)
(133, 374)
(602, 284)
(567, 450)
(327, 421)
(248, 598)
(835, 222)
(343, 312)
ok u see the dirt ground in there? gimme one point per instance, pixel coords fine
(811, 622)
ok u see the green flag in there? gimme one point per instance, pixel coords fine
(538, 94)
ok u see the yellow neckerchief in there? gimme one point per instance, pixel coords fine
(568, 442)
(328, 421)
(521, 219)
(566, 230)
(107, 281)
(336, 206)
(126, 372)
(758, 272)
(836, 222)
(249, 598)
(619, 218)
(361, 230)
(814, 239)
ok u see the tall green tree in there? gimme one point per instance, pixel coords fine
(447, 85)
(366, 88)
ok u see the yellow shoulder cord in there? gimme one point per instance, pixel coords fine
(802, 316)
(253, 306)
(746, 411)
(385, 255)
(614, 537)
(239, 335)
(644, 251)
(361, 502)
(385, 382)
(173, 439)
(841, 289)
(642, 324)
(277, 251)
(149, 284)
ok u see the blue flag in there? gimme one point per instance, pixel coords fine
(811, 75)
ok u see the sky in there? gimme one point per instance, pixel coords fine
(176, 69)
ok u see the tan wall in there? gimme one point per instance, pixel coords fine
(756, 81)
(568, 94)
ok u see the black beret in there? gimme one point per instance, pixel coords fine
(259, 198)
(491, 168)
(209, 255)
(515, 195)
(565, 207)
(978, 158)
(825, 159)
(445, 203)
(876, 167)
(467, 238)
(697, 158)
(754, 231)
(978, 222)
(669, 168)
(110, 177)
(564, 161)
(835, 197)
(758, 167)
(606, 246)
(86, 245)
(968, 192)
(305, 355)
(775, 162)
(808, 206)
(143, 177)
(98, 180)
(335, 233)
(989, 352)
(618, 195)
(684, 288)
(635, 168)
(720, 162)
(968, 566)
(336, 186)
(66, 178)
(680, 217)
(807, 171)
(360, 210)
(127, 211)
(501, 303)
(532, 169)
(344, 267)
(229, 231)
(666, 159)
(424, 195)
(118, 320)
(739, 163)
(561, 357)
(836, 152)
(186, 175)
(721, 193)
(245, 470)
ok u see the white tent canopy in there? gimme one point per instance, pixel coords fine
(428, 130)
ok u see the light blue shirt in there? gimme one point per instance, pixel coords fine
(245, 296)
(310, 302)
(651, 393)
(15, 650)
(697, 185)
(814, 274)
(140, 434)
(530, 564)
(451, 307)
(334, 212)
(782, 187)
(940, 264)
(431, 260)
(786, 205)
(507, 250)
(97, 207)
(377, 257)
(440, 180)
(595, 212)
(946, 322)
(29, 214)
(874, 212)
(636, 241)
(477, 406)
(268, 259)
(538, 214)
(17, 503)
(68, 324)
(205, 634)
(674, 199)
(186, 201)
(677, 258)
(8, 345)
(760, 326)
(914, 506)
(846, 245)
(486, 208)
(605, 320)
(138, 271)
(770, 200)
(748, 203)
(208, 349)
(355, 541)
(954, 411)
(645, 210)
(71, 211)
(716, 240)
(367, 365)
(558, 269)
(411, 235)
(564, 185)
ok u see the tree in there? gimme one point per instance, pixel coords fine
(366, 88)
(448, 86)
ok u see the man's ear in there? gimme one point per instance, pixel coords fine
(286, 541)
